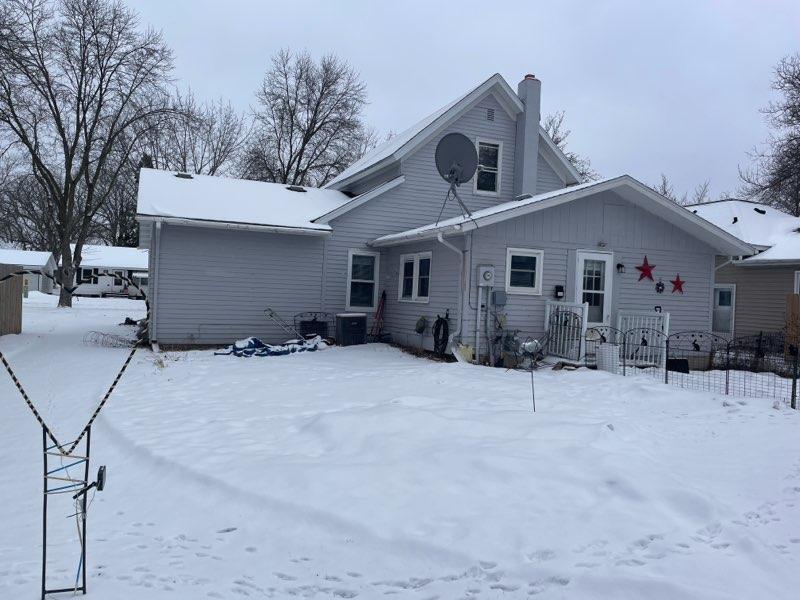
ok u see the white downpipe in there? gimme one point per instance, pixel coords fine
(478, 328)
(725, 264)
(457, 332)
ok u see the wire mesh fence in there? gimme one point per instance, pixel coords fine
(763, 365)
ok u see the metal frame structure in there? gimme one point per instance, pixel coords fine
(65, 485)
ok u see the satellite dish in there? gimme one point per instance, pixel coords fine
(456, 158)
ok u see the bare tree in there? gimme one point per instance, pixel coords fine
(80, 82)
(308, 123)
(557, 130)
(26, 214)
(200, 138)
(700, 194)
(774, 177)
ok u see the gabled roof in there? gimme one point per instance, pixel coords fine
(406, 142)
(113, 257)
(626, 186)
(763, 226)
(218, 201)
(25, 258)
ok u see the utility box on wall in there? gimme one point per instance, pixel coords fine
(485, 275)
(351, 329)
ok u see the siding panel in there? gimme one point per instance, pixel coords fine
(214, 284)
(760, 296)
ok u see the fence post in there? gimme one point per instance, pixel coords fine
(624, 354)
(727, 368)
(794, 375)
(666, 361)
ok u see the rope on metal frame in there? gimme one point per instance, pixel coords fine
(140, 341)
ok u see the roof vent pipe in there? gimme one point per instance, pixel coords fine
(526, 152)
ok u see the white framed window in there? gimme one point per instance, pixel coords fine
(524, 271)
(362, 279)
(414, 283)
(797, 282)
(490, 158)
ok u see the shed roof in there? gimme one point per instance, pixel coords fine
(204, 199)
(113, 257)
(25, 258)
(626, 186)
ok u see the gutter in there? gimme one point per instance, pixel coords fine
(461, 286)
(235, 226)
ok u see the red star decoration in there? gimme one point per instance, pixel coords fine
(645, 270)
(677, 284)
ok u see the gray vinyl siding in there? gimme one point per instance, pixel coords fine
(418, 200)
(627, 231)
(214, 284)
(760, 303)
(547, 180)
(145, 233)
(401, 316)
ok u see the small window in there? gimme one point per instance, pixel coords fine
(524, 271)
(487, 180)
(362, 280)
(415, 277)
(85, 276)
(118, 275)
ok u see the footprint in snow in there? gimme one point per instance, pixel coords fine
(227, 530)
(285, 577)
(540, 556)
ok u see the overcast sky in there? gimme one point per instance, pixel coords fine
(647, 86)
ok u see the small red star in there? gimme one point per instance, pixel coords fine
(645, 270)
(677, 284)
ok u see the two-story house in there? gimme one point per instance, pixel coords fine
(223, 250)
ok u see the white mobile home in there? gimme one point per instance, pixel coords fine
(32, 260)
(103, 271)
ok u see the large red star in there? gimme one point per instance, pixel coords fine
(677, 284)
(645, 270)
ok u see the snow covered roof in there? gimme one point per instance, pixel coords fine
(203, 199)
(25, 258)
(752, 222)
(113, 257)
(767, 228)
(626, 186)
(403, 143)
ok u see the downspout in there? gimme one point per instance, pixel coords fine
(725, 264)
(461, 284)
(155, 247)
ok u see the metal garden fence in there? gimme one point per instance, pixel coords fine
(763, 365)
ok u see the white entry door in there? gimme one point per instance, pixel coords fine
(594, 284)
(724, 307)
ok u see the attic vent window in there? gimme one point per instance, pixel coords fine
(490, 114)
(760, 211)
(295, 188)
(183, 175)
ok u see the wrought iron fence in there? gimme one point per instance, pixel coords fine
(763, 365)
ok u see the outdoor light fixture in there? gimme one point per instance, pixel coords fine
(601, 244)
(620, 268)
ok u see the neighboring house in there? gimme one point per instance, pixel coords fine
(32, 260)
(103, 269)
(223, 250)
(750, 292)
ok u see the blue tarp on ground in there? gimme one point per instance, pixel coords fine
(253, 346)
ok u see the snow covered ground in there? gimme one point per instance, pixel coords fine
(364, 472)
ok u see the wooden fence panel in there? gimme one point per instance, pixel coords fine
(10, 301)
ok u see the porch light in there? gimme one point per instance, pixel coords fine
(620, 268)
